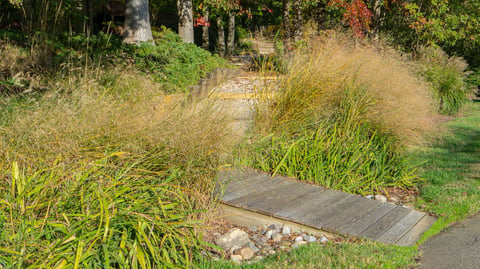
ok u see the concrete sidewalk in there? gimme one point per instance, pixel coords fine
(457, 246)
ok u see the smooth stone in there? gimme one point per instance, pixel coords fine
(299, 243)
(274, 227)
(252, 245)
(298, 238)
(277, 238)
(270, 233)
(236, 259)
(310, 238)
(286, 230)
(253, 229)
(381, 198)
(246, 253)
(233, 239)
(257, 258)
(323, 240)
(271, 252)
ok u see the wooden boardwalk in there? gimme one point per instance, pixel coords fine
(320, 208)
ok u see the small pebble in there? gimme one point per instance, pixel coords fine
(381, 198)
(236, 259)
(273, 227)
(323, 240)
(246, 253)
(286, 230)
(299, 243)
(277, 238)
(252, 245)
(298, 238)
(257, 258)
(270, 233)
(310, 238)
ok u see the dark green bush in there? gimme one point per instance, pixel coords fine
(447, 75)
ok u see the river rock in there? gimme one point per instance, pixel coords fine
(310, 238)
(277, 238)
(286, 230)
(323, 240)
(381, 198)
(252, 245)
(298, 238)
(236, 259)
(270, 233)
(233, 239)
(246, 253)
(299, 243)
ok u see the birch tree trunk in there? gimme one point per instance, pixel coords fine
(297, 20)
(137, 22)
(221, 37)
(205, 36)
(231, 34)
(185, 20)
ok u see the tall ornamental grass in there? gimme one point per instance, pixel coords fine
(342, 117)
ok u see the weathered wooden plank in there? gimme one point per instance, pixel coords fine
(316, 193)
(401, 227)
(236, 190)
(412, 236)
(365, 221)
(330, 210)
(351, 212)
(277, 201)
(262, 197)
(236, 185)
(385, 223)
(312, 205)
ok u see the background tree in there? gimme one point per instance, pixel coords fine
(185, 20)
(137, 22)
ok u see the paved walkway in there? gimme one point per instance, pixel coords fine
(456, 247)
(320, 208)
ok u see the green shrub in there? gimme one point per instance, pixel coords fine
(447, 75)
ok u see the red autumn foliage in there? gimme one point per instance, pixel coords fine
(357, 15)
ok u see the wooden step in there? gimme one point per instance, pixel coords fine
(316, 207)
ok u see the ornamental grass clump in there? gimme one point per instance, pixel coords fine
(96, 217)
(447, 75)
(342, 117)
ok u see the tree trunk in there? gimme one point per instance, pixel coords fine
(297, 20)
(221, 37)
(377, 18)
(286, 23)
(137, 22)
(88, 13)
(205, 36)
(231, 34)
(185, 20)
